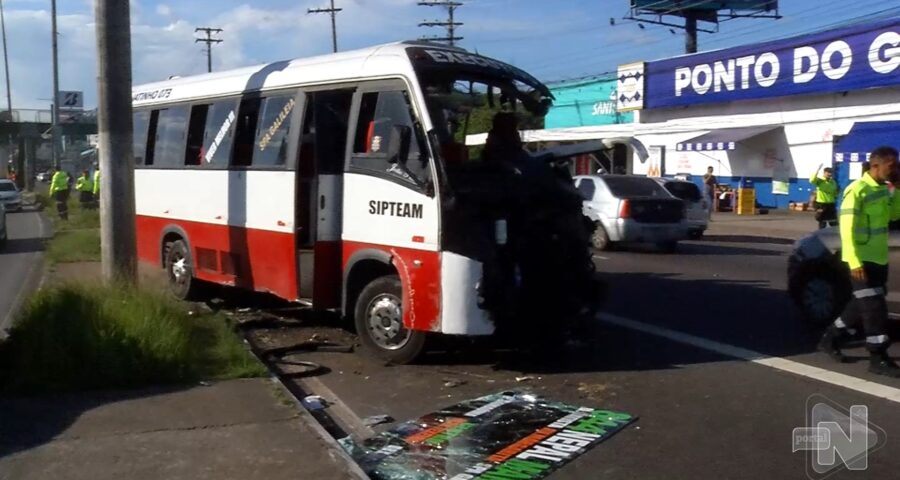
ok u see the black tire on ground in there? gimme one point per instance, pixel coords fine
(180, 273)
(378, 316)
(599, 239)
(668, 247)
(820, 292)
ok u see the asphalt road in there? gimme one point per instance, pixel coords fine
(20, 262)
(703, 412)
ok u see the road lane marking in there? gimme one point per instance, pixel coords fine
(847, 381)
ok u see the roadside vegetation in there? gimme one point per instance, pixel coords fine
(83, 337)
(75, 240)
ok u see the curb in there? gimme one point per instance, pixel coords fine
(309, 420)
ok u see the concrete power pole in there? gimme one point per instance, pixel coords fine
(114, 124)
(6, 61)
(54, 132)
(450, 24)
(209, 41)
(333, 12)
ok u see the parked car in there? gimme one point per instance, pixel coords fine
(626, 208)
(44, 177)
(696, 204)
(10, 196)
(3, 234)
(819, 282)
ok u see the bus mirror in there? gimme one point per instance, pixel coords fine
(398, 148)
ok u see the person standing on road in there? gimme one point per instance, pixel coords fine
(85, 188)
(710, 183)
(866, 211)
(59, 191)
(826, 196)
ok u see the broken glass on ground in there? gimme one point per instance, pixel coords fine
(500, 436)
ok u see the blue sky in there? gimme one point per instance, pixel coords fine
(552, 39)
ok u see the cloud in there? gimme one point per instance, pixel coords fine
(164, 10)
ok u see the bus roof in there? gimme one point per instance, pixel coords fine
(378, 61)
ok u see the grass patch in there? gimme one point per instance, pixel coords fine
(76, 239)
(77, 337)
(74, 246)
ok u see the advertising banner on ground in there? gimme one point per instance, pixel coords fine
(501, 436)
(845, 59)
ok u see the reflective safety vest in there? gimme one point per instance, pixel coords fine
(96, 182)
(59, 182)
(826, 190)
(866, 211)
(83, 184)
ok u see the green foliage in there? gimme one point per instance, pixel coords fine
(81, 337)
(74, 246)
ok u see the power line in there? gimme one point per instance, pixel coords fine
(450, 24)
(209, 41)
(333, 12)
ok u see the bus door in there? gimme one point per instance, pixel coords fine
(319, 195)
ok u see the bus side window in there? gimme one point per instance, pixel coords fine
(272, 133)
(170, 135)
(151, 137)
(218, 134)
(193, 152)
(141, 121)
(245, 133)
(378, 114)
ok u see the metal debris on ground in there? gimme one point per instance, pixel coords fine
(314, 402)
(451, 383)
(526, 378)
(377, 420)
(504, 435)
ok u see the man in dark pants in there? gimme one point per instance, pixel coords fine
(866, 211)
(826, 196)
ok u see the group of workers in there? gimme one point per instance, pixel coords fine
(867, 208)
(88, 189)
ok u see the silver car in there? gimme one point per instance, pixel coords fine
(3, 233)
(10, 196)
(696, 204)
(626, 208)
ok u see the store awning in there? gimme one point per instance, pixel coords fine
(722, 139)
(865, 137)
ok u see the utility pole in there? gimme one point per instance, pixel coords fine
(209, 41)
(114, 124)
(6, 61)
(54, 132)
(450, 24)
(690, 32)
(333, 11)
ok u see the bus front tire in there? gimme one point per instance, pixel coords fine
(180, 273)
(378, 316)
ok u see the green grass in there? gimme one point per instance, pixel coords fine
(82, 337)
(74, 246)
(76, 239)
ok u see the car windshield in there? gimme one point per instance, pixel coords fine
(627, 187)
(7, 187)
(684, 190)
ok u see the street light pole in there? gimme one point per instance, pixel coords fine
(114, 124)
(55, 128)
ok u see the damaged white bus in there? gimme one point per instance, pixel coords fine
(342, 182)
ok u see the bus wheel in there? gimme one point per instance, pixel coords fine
(180, 273)
(379, 322)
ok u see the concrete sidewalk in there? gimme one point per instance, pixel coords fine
(777, 224)
(236, 429)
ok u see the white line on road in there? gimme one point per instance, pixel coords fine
(778, 363)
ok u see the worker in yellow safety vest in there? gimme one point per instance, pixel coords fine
(97, 184)
(826, 196)
(867, 209)
(85, 188)
(59, 191)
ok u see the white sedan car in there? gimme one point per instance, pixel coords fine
(10, 196)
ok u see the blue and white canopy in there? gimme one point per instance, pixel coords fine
(865, 137)
(722, 139)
